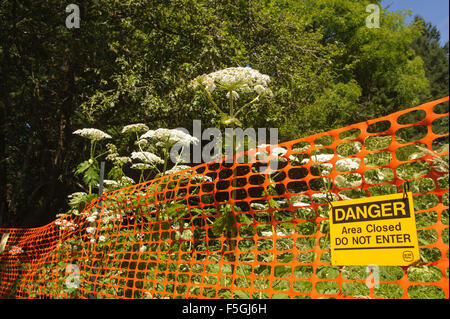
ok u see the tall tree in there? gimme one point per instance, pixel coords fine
(131, 61)
(435, 59)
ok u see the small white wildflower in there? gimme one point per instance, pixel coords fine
(102, 239)
(199, 178)
(143, 249)
(138, 128)
(322, 157)
(112, 157)
(15, 250)
(122, 160)
(125, 181)
(111, 147)
(279, 151)
(300, 200)
(91, 219)
(92, 134)
(258, 206)
(266, 233)
(91, 230)
(110, 183)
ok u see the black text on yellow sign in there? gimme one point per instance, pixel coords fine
(378, 230)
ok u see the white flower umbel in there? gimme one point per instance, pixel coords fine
(135, 128)
(122, 160)
(141, 166)
(92, 134)
(126, 181)
(147, 157)
(169, 137)
(242, 79)
(110, 183)
(234, 81)
(176, 169)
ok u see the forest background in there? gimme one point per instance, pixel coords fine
(131, 61)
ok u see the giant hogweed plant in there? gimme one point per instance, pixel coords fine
(151, 157)
(230, 84)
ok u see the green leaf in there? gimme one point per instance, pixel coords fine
(172, 211)
(273, 203)
(115, 173)
(91, 176)
(82, 167)
(218, 226)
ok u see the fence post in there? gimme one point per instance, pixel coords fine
(100, 192)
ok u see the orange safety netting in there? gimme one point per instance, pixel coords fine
(158, 239)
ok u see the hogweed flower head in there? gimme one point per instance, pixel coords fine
(92, 134)
(168, 137)
(122, 160)
(243, 79)
(147, 157)
(141, 166)
(137, 128)
(176, 169)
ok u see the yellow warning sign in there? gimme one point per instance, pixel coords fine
(379, 230)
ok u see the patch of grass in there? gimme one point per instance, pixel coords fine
(425, 292)
(327, 287)
(355, 289)
(424, 273)
(389, 291)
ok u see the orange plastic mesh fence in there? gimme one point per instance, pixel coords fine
(157, 239)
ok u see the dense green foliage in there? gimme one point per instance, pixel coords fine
(435, 58)
(131, 61)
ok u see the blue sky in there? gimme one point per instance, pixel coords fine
(434, 11)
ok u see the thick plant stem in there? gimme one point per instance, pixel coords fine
(208, 95)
